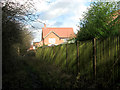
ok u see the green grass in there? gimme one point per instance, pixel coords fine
(30, 72)
(51, 75)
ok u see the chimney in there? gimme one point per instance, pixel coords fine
(44, 25)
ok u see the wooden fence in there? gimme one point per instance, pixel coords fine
(93, 59)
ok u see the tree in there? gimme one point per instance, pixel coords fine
(14, 36)
(97, 20)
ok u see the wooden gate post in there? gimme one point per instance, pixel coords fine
(94, 58)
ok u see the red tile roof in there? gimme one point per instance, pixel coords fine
(61, 32)
(35, 43)
(116, 14)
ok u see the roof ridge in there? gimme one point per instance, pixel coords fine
(61, 31)
(50, 33)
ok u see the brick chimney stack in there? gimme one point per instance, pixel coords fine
(44, 25)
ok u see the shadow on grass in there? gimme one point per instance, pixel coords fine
(29, 72)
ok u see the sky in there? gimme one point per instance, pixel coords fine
(56, 13)
(59, 13)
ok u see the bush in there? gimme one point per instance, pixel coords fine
(31, 53)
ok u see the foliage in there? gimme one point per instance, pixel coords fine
(97, 20)
(13, 33)
(14, 37)
(32, 73)
(31, 53)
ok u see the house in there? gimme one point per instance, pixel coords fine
(116, 15)
(115, 20)
(35, 44)
(31, 48)
(55, 36)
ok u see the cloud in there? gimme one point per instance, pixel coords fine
(61, 7)
(58, 13)
(58, 23)
(52, 13)
(64, 13)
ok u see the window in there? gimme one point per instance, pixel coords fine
(65, 39)
(52, 40)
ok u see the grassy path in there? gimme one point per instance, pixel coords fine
(50, 75)
(31, 73)
(20, 75)
(28, 72)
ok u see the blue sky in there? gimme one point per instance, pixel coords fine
(59, 13)
(56, 13)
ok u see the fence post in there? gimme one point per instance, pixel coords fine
(100, 50)
(18, 50)
(53, 49)
(103, 48)
(94, 58)
(67, 56)
(117, 56)
(117, 44)
(118, 53)
(110, 48)
(78, 56)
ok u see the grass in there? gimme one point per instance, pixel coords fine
(47, 67)
(30, 72)
(51, 75)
